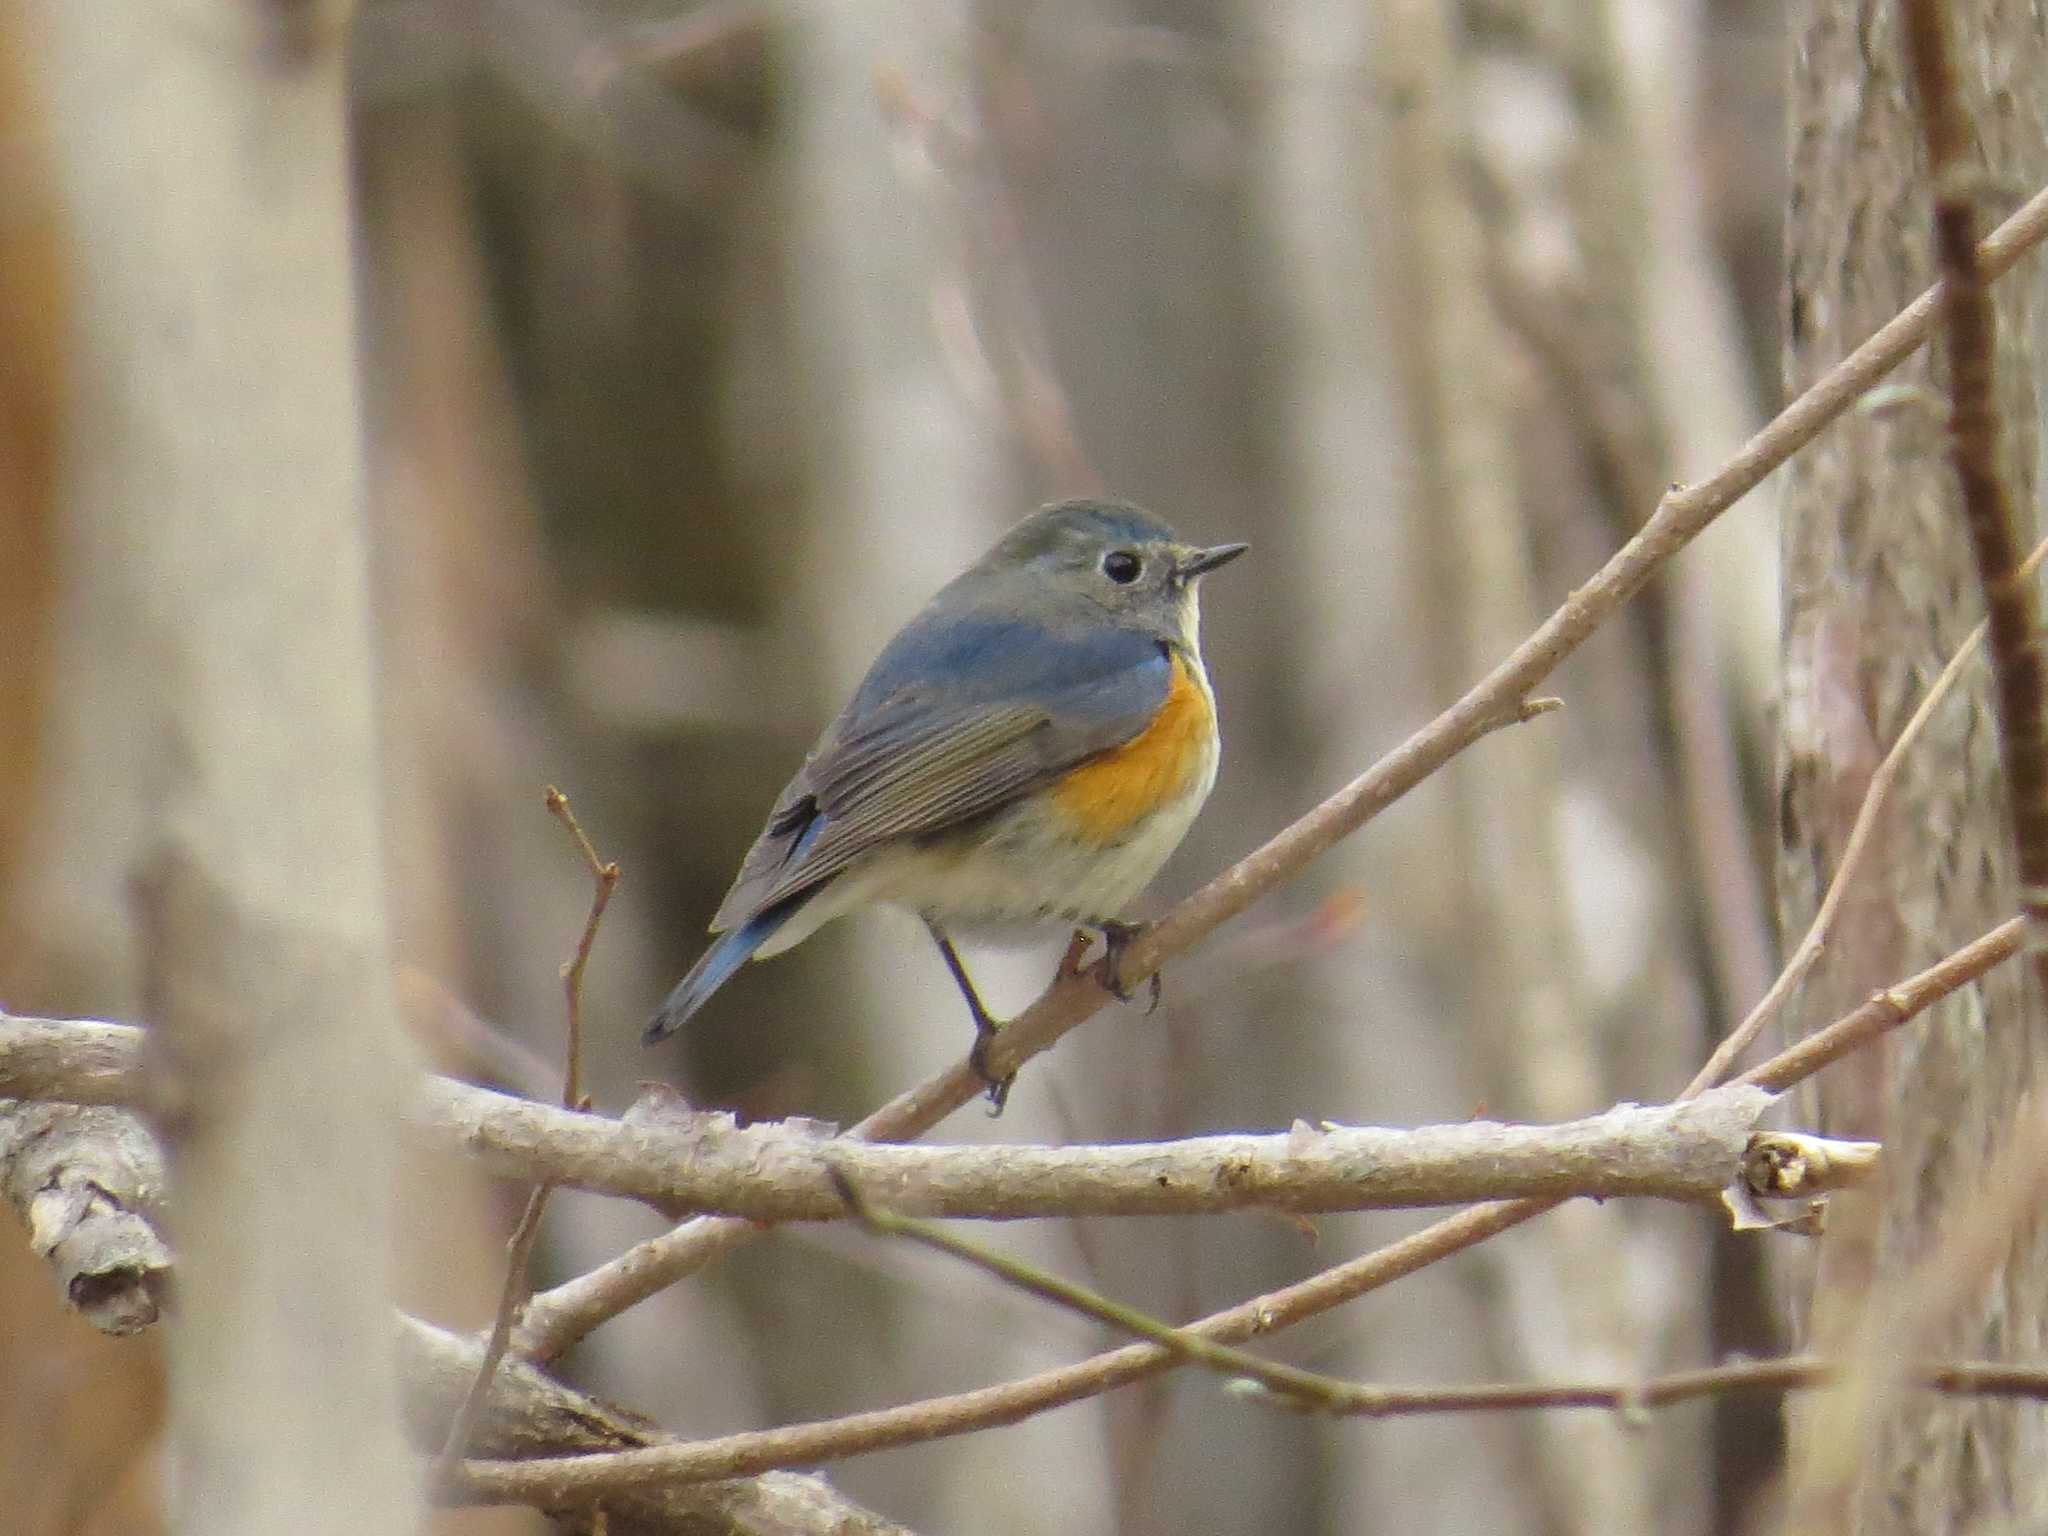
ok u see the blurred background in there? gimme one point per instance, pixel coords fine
(700, 344)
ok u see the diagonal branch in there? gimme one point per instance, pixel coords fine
(1293, 1387)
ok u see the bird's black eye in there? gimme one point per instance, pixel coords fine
(1121, 566)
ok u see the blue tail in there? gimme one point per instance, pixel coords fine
(713, 968)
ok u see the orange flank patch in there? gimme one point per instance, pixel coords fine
(1111, 792)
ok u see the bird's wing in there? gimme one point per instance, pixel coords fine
(941, 734)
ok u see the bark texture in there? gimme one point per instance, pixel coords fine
(1879, 589)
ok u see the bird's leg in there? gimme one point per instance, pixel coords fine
(985, 1024)
(1116, 938)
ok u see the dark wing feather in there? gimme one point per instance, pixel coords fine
(948, 727)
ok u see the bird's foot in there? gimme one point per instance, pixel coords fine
(997, 1088)
(1116, 938)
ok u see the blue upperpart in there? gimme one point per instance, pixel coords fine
(715, 967)
(963, 658)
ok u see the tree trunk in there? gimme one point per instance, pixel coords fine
(1879, 590)
(220, 772)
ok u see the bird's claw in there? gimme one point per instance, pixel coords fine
(1116, 938)
(997, 1088)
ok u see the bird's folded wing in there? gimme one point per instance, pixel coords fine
(916, 762)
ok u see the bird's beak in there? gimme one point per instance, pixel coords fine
(1199, 562)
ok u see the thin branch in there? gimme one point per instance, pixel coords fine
(1319, 1393)
(514, 1291)
(604, 876)
(2019, 673)
(1329, 1394)
(1962, 1378)
(1306, 1388)
(110, 1054)
(518, 1285)
(1888, 1009)
(580, 1479)
(557, 1319)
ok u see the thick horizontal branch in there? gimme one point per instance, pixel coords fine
(773, 1172)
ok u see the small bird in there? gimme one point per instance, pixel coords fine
(1029, 749)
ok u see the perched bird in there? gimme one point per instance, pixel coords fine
(1028, 749)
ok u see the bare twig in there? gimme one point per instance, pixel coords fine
(2019, 673)
(519, 1250)
(604, 877)
(1306, 1388)
(1888, 1009)
(1969, 1378)
(514, 1290)
(1329, 1394)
